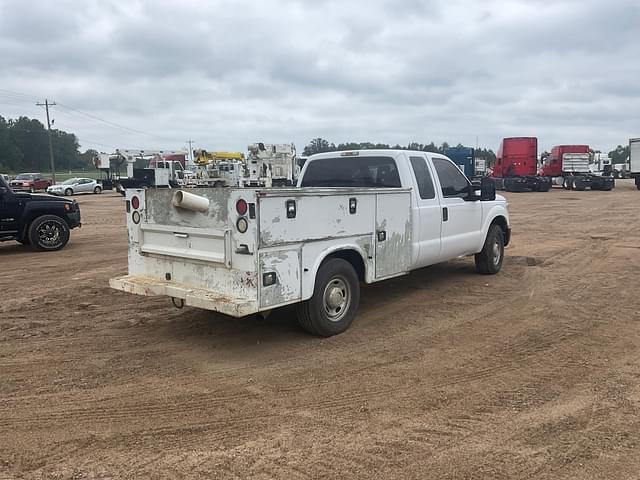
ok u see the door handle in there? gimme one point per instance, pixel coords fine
(445, 214)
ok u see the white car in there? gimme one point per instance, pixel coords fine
(75, 185)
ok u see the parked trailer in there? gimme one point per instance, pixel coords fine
(481, 167)
(570, 167)
(516, 164)
(634, 160)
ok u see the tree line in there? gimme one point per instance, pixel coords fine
(24, 147)
(321, 145)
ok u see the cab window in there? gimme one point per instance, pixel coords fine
(372, 172)
(452, 180)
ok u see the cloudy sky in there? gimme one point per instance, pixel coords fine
(153, 74)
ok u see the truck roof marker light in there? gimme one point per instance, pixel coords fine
(241, 207)
(135, 202)
(349, 154)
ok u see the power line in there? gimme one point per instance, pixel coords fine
(30, 98)
(24, 96)
(108, 122)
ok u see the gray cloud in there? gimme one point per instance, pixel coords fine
(229, 73)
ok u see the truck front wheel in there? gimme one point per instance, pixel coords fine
(335, 299)
(48, 232)
(489, 260)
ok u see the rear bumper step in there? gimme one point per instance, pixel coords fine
(193, 297)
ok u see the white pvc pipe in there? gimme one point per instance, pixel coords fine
(190, 201)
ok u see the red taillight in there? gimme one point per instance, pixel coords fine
(135, 203)
(241, 207)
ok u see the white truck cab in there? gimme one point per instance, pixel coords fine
(355, 216)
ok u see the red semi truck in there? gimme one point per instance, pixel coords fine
(516, 165)
(569, 166)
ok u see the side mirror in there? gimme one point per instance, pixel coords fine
(472, 192)
(487, 189)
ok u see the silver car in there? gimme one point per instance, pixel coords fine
(75, 185)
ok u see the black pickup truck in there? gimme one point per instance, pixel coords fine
(42, 221)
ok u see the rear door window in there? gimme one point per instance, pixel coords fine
(371, 172)
(423, 178)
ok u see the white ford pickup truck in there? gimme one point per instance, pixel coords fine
(355, 216)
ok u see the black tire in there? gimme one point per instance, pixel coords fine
(335, 300)
(489, 260)
(565, 183)
(68, 192)
(97, 190)
(48, 232)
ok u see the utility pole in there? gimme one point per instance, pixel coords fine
(190, 142)
(46, 105)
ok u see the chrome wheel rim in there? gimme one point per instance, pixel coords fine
(336, 298)
(49, 233)
(497, 252)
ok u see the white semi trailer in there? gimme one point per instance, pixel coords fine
(634, 160)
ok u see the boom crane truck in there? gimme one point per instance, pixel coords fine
(516, 164)
(144, 168)
(271, 165)
(218, 169)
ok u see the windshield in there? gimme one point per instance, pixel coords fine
(373, 172)
(71, 181)
(24, 176)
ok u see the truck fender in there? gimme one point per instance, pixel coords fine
(349, 249)
(497, 214)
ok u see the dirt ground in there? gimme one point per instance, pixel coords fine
(533, 373)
